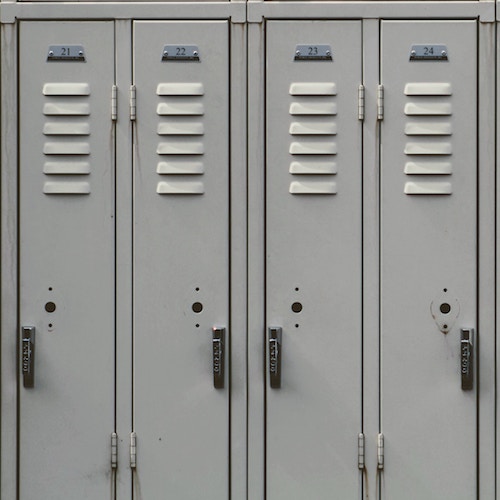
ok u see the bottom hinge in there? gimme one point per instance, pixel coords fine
(114, 450)
(133, 450)
(380, 452)
(361, 451)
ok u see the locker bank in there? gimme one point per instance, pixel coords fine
(248, 250)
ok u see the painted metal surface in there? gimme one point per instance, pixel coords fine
(181, 261)
(428, 262)
(66, 261)
(313, 259)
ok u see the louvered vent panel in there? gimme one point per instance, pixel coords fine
(313, 130)
(67, 146)
(181, 129)
(428, 146)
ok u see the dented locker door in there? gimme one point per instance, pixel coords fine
(181, 259)
(66, 242)
(428, 264)
(313, 259)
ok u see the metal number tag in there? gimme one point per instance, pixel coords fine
(428, 52)
(66, 53)
(313, 52)
(180, 53)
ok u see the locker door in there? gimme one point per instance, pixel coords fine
(428, 248)
(66, 273)
(181, 262)
(313, 259)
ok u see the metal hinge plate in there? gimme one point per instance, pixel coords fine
(133, 110)
(133, 450)
(114, 107)
(380, 451)
(114, 450)
(361, 102)
(361, 451)
(380, 102)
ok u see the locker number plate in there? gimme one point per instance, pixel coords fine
(428, 52)
(313, 52)
(66, 53)
(180, 53)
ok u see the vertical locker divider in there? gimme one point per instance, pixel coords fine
(371, 254)
(124, 258)
(256, 356)
(8, 270)
(237, 363)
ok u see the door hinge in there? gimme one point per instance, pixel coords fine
(361, 451)
(380, 451)
(114, 108)
(132, 103)
(133, 450)
(114, 450)
(380, 102)
(361, 102)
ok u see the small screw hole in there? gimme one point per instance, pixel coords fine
(50, 325)
(197, 289)
(197, 325)
(445, 326)
(297, 289)
(296, 325)
(445, 290)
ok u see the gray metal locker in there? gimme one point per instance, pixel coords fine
(66, 260)
(428, 256)
(313, 258)
(181, 258)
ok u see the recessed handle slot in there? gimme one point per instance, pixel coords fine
(28, 356)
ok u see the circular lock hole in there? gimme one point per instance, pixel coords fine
(50, 307)
(197, 307)
(445, 308)
(296, 307)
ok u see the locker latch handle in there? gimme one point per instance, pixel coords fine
(28, 355)
(275, 356)
(218, 334)
(467, 358)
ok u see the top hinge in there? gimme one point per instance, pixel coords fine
(114, 102)
(380, 452)
(114, 450)
(380, 102)
(361, 102)
(133, 450)
(133, 109)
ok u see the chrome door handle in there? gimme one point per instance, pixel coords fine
(275, 335)
(218, 334)
(467, 358)
(28, 356)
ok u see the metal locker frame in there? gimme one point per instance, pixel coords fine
(10, 14)
(371, 14)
